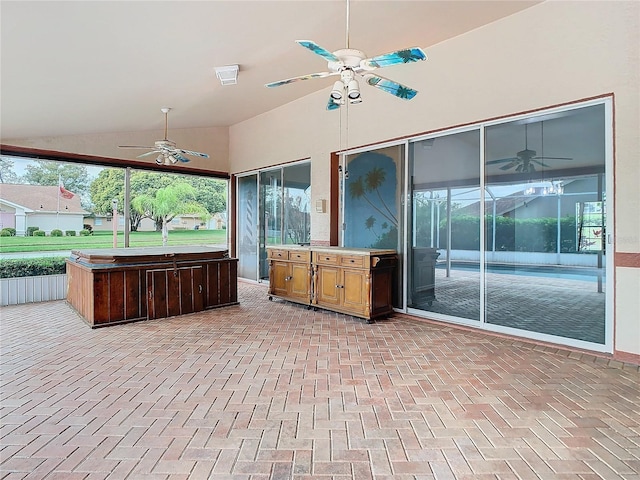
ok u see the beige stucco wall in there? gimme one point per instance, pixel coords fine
(213, 141)
(553, 53)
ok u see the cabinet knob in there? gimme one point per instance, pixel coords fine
(287, 278)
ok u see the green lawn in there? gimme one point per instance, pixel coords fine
(105, 240)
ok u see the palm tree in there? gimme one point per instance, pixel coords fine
(177, 199)
(374, 179)
(358, 190)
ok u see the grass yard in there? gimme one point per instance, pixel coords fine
(105, 240)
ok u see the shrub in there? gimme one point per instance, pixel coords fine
(88, 227)
(70, 233)
(11, 231)
(85, 233)
(39, 233)
(30, 231)
(31, 267)
(56, 232)
(5, 233)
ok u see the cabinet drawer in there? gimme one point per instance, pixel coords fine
(325, 258)
(299, 256)
(278, 253)
(352, 261)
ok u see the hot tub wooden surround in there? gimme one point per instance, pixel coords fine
(111, 286)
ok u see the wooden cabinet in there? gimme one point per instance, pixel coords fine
(290, 273)
(110, 286)
(355, 281)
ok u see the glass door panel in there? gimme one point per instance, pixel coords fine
(248, 227)
(271, 201)
(297, 201)
(444, 226)
(545, 224)
(372, 205)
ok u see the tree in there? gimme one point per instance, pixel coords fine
(7, 175)
(109, 185)
(46, 172)
(176, 199)
(211, 193)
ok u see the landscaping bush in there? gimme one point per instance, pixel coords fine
(88, 228)
(12, 231)
(39, 233)
(56, 232)
(6, 232)
(30, 231)
(70, 233)
(31, 267)
(85, 233)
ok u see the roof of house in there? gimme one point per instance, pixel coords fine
(40, 198)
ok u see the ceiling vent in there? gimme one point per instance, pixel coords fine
(228, 75)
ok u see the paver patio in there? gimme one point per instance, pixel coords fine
(271, 390)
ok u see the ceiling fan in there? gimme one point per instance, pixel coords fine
(526, 160)
(349, 63)
(168, 153)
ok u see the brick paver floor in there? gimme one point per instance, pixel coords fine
(271, 390)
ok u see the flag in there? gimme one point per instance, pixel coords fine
(64, 193)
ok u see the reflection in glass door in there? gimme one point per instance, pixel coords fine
(273, 209)
(444, 223)
(271, 215)
(546, 223)
(247, 231)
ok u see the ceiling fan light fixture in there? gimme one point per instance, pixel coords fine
(228, 75)
(338, 90)
(160, 159)
(353, 91)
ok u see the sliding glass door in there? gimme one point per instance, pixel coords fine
(545, 250)
(506, 223)
(443, 276)
(273, 209)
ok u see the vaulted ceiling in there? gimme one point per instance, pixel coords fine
(78, 67)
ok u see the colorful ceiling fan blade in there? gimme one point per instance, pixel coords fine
(389, 86)
(180, 157)
(406, 55)
(332, 104)
(318, 50)
(301, 77)
(190, 152)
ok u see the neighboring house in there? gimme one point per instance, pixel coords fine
(181, 222)
(45, 207)
(103, 223)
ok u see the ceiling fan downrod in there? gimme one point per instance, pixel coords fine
(166, 110)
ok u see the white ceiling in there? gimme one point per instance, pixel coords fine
(79, 67)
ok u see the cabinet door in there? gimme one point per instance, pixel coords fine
(191, 291)
(278, 275)
(299, 285)
(174, 292)
(355, 291)
(329, 285)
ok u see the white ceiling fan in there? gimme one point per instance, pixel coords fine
(168, 153)
(349, 63)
